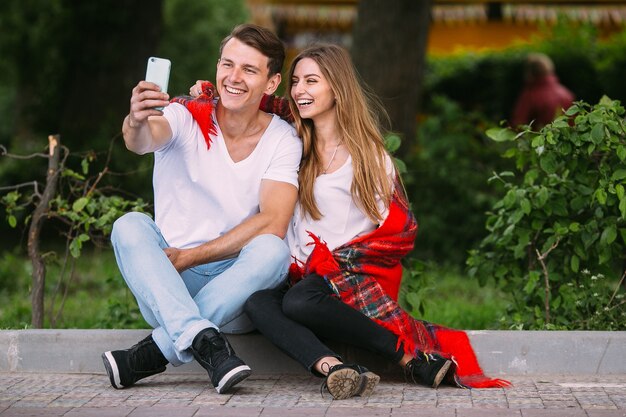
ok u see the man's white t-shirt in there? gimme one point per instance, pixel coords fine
(342, 220)
(201, 194)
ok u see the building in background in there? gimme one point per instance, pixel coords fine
(461, 25)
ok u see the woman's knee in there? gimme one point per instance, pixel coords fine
(299, 303)
(255, 303)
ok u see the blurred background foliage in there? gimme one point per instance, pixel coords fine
(68, 66)
(466, 94)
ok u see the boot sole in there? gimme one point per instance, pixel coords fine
(369, 380)
(232, 378)
(344, 383)
(442, 373)
(111, 367)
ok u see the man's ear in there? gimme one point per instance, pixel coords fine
(273, 83)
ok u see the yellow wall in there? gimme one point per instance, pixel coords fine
(447, 39)
(450, 39)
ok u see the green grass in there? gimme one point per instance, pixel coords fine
(97, 296)
(453, 300)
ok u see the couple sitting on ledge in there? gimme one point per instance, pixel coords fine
(284, 215)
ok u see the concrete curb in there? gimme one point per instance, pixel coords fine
(499, 352)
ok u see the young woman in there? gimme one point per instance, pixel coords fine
(351, 228)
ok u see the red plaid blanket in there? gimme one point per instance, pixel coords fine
(365, 274)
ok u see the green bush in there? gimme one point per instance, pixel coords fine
(560, 227)
(446, 181)
(448, 170)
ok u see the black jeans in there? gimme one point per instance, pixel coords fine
(295, 318)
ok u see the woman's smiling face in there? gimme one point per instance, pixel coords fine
(311, 91)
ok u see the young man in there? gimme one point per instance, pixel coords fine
(221, 213)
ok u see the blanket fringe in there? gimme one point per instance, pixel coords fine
(201, 109)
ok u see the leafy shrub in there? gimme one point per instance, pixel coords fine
(464, 94)
(447, 181)
(81, 210)
(561, 225)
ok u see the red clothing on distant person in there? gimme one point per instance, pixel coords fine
(541, 101)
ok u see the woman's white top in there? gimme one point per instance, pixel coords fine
(342, 220)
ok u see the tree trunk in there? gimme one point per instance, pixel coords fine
(389, 51)
(39, 268)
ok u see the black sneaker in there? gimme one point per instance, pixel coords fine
(345, 381)
(217, 356)
(428, 368)
(125, 367)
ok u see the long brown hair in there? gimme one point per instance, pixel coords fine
(359, 117)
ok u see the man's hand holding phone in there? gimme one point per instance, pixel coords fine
(148, 99)
(150, 96)
(145, 100)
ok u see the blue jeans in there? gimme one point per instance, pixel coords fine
(179, 305)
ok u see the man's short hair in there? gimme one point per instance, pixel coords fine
(263, 40)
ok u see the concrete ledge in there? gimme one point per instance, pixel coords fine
(499, 352)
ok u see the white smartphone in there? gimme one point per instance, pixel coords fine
(158, 72)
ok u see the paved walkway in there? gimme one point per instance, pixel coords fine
(176, 395)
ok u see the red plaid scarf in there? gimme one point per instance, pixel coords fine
(365, 274)
(277, 105)
(201, 108)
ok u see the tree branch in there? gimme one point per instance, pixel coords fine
(101, 174)
(34, 184)
(4, 152)
(546, 281)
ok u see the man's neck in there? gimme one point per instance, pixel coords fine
(237, 124)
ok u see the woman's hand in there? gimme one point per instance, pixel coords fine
(196, 89)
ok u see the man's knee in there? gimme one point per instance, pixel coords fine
(273, 250)
(129, 229)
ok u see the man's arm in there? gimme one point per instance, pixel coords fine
(277, 200)
(144, 128)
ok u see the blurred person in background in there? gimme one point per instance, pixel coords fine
(543, 97)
